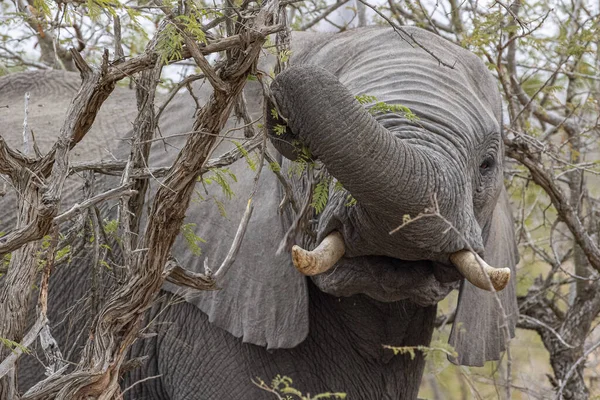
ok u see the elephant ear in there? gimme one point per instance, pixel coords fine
(481, 327)
(262, 299)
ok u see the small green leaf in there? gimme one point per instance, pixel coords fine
(251, 163)
(279, 129)
(365, 99)
(350, 201)
(221, 177)
(320, 195)
(275, 167)
(13, 345)
(193, 241)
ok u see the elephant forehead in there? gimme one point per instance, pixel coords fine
(460, 93)
(433, 94)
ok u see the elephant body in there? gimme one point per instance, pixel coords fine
(342, 353)
(326, 333)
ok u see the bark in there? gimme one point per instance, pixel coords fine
(15, 296)
(118, 323)
(41, 186)
(563, 336)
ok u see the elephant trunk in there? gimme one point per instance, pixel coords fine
(385, 174)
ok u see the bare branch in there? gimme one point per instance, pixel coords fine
(123, 190)
(407, 37)
(176, 274)
(542, 177)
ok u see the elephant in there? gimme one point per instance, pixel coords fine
(435, 173)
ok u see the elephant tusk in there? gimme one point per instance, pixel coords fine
(321, 259)
(478, 272)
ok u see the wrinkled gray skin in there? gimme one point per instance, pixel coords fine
(326, 333)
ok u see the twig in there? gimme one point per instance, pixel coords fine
(287, 187)
(123, 190)
(241, 231)
(48, 343)
(187, 80)
(544, 179)
(115, 167)
(206, 68)
(546, 326)
(8, 364)
(26, 143)
(119, 54)
(178, 275)
(401, 31)
(581, 359)
(148, 378)
(325, 13)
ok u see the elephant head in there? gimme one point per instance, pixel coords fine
(442, 171)
(393, 179)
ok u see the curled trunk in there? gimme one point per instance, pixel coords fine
(382, 172)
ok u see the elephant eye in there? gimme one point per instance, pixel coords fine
(487, 165)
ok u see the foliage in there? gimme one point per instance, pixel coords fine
(426, 350)
(281, 387)
(221, 176)
(249, 160)
(279, 129)
(59, 256)
(303, 161)
(111, 226)
(350, 200)
(193, 241)
(170, 44)
(320, 195)
(376, 106)
(13, 345)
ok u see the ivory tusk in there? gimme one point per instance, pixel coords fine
(321, 259)
(478, 272)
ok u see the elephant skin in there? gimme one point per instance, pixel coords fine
(326, 332)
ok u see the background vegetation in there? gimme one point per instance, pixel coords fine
(545, 55)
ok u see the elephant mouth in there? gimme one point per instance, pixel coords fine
(332, 249)
(386, 279)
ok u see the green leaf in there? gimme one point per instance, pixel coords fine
(193, 241)
(426, 350)
(320, 195)
(111, 226)
(383, 107)
(282, 385)
(279, 129)
(365, 99)
(13, 345)
(251, 163)
(350, 201)
(170, 44)
(221, 177)
(221, 207)
(275, 167)
(284, 55)
(62, 253)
